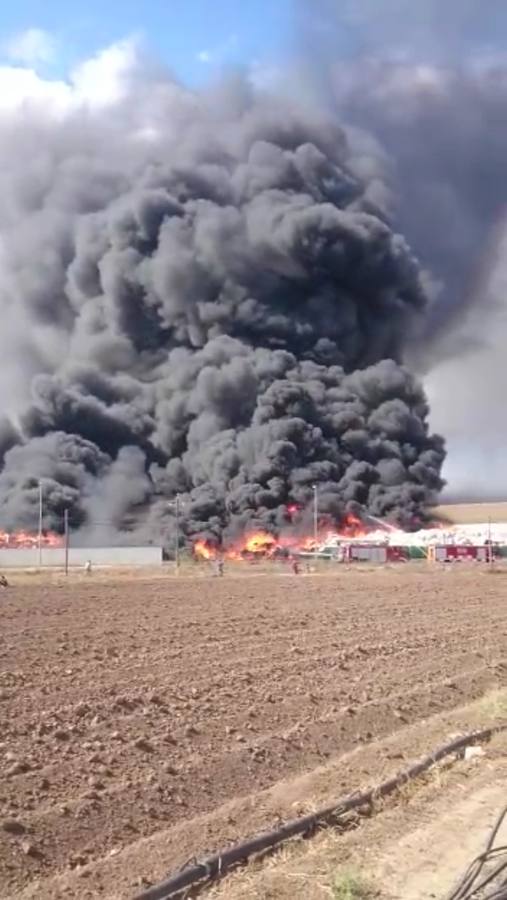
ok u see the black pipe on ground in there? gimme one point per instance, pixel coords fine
(220, 863)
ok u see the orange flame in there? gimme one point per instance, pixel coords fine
(262, 544)
(259, 542)
(353, 527)
(203, 550)
(22, 540)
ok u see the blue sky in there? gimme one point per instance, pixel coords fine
(192, 36)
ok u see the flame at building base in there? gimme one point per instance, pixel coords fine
(257, 543)
(262, 544)
(25, 540)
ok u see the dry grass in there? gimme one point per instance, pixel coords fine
(77, 575)
(471, 513)
(191, 570)
(492, 707)
(351, 886)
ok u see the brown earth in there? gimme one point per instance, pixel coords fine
(471, 513)
(166, 707)
(416, 845)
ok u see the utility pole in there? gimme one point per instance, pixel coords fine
(40, 524)
(490, 545)
(315, 515)
(177, 537)
(66, 531)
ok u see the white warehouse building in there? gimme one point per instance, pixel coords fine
(54, 557)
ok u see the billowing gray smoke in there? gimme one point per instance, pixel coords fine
(201, 296)
(424, 87)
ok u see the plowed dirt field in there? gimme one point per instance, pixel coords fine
(129, 708)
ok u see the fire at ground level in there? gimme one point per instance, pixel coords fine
(262, 544)
(346, 542)
(259, 543)
(26, 540)
(339, 543)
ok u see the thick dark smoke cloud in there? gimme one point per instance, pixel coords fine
(202, 297)
(446, 134)
(423, 89)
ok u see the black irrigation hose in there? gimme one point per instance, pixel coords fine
(220, 863)
(472, 884)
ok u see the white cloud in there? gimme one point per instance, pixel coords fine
(98, 81)
(31, 47)
(105, 78)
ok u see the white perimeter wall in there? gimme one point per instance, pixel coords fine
(78, 556)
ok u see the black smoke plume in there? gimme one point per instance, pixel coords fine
(202, 296)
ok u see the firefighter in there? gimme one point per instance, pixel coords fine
(3, 581)
(295, 566)
(88, 567)
(218, 568)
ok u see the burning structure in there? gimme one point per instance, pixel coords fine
(204, 294)
(25, 540)
(365, 537)
(262, 544)
(217, 312)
